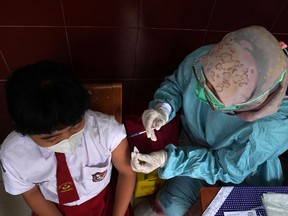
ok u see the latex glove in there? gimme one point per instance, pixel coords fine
(153, 119)
(146, 163)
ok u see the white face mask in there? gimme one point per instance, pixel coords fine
(68, 146)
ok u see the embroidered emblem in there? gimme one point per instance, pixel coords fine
(99, 176)
(65, 187)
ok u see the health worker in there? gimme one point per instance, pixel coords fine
(234, 117)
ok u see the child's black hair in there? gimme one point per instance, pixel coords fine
(44, 97)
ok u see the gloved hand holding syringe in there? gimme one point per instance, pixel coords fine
(153, 119)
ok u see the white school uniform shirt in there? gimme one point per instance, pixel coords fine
(25, 164)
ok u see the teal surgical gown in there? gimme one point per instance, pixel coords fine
(217, 147)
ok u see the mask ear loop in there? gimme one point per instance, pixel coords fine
(286, 52)
(284, 47)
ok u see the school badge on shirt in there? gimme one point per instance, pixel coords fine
(65, 187)
(99, 176)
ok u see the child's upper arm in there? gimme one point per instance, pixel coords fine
(12, 181)
(121, 156)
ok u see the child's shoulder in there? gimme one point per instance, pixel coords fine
(100, 118)
(14, 141)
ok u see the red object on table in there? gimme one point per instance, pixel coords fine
(206, 195)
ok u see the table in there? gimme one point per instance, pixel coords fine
(238, 198)
(206, 195)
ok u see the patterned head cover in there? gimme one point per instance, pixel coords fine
(243, 67)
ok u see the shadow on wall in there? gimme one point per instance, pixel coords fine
(12, 205)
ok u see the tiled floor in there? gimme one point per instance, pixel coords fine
(12, 205)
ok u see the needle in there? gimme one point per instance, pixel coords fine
(137, 134)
